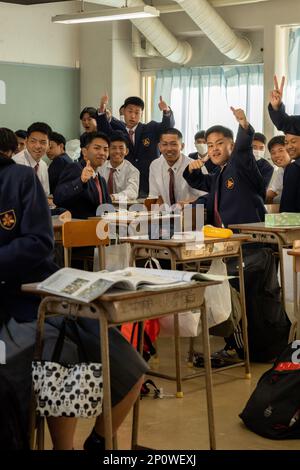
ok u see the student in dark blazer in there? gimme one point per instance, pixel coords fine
(143, 138)
(81, 189)
(259, 149)
(201, 154)
(290, 125)
(59, 159)
(281, 120)
(236, 190)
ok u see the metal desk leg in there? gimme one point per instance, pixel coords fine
(244, 315)
(136, 407)
(179, 392)
(208, 380)
(106, 382)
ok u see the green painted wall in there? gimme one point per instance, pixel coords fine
(40, 93)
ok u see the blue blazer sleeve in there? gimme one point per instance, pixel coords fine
(70, 186)
(266, 171)
(243, 159)
(34, 241)
(290, 198)
(284, 122)
(198, 180)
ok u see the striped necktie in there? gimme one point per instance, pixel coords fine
(97, 183)
(110, 181)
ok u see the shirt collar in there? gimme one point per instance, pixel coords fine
(32, 162)
(132, 129)
(176, 165)
(118, 168)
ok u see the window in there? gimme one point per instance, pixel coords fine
(2, 92)
(293, 86)
(201, 97)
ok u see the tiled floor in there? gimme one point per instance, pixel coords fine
(181, 423)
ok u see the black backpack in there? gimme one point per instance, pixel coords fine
(273, 410)
(268, 324)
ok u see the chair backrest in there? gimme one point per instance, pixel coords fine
(82, 233)
(272, 208)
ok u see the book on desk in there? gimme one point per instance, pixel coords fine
(86, 286)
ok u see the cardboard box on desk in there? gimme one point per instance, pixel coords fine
(282, 219)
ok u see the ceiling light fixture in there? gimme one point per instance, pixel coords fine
(125, 13)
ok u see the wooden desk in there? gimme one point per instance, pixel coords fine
(117, 308)
(182, 251)
(282, 236)
(57, 227)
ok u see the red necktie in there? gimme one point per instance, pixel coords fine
(131, 134)
(171, 187)
(36, 168)
(217, 217)
(97, 183)
(110, 181)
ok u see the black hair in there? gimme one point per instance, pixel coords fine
(21, 133)
(8, 140)
(135, 100)
(200, 135)
(172, 131)
(220, 130)
(121, 107)
(277, 140)
(89, 110)
(118, 136)
(41, 127)
(260, 137)
(95, 135)
(58, 138)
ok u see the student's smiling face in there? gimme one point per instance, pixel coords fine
(170, 146)
(279, 155)
(292, 143)
(96, 152)
(219, 148)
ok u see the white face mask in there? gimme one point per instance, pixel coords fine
(258, 154)
(122, 118)
(201, 148)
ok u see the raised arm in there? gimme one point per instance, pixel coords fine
(195, 178)
(281, 120)
(242, 155)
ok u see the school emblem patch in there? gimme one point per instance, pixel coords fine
(8, 220)
(229, 183)
(146, 142)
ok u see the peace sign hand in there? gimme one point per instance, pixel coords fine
(276, 94)
(240, 117)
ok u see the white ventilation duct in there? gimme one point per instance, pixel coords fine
(179, 52)
(210, 22)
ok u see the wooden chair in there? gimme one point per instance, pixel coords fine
(272, 208)
(83, 233)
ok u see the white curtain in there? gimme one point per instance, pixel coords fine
(292, 96)
(201, 97)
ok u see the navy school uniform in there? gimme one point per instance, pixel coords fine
(240, 186)
(290, 198)
(55, 169)
(284, 122)
(145, 148)
(209, 165)
(81, 199)
(266, 170)
(26, 238)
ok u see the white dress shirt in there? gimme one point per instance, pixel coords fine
(159, 180)
(276, 184)
(126, 180)
(24, 158)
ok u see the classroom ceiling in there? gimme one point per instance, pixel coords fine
(32, 2)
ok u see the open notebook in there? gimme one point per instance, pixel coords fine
(87, 286)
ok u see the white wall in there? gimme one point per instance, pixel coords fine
(27, 35)
(107, 64)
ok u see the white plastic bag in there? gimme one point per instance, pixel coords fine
(116, 257)
(188, 324)
(217, 298)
